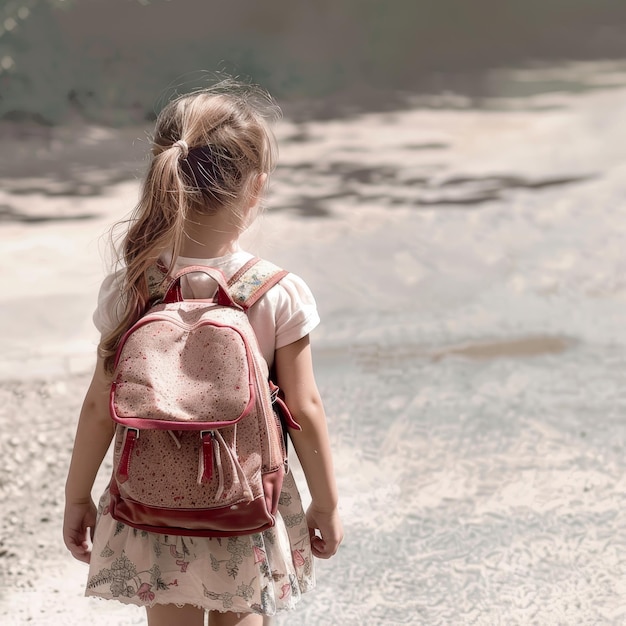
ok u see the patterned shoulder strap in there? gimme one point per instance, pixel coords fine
(253, 280)
(155, 275)
(249, 283)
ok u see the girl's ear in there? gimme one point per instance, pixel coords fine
(257, 188)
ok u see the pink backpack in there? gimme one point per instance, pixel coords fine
(199, 446)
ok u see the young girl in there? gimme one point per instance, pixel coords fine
(211, 157)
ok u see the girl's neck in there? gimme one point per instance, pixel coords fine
(209, 236)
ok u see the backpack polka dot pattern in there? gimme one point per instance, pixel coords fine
(199, 449)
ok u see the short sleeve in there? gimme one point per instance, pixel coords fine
(296, 311)
(106, 317)
(285, 314)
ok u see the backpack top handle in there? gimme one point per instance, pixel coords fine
(174, 291)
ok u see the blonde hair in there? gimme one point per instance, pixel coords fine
(208, 148)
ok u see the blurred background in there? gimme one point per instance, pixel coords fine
(451, 186)
(108, 62)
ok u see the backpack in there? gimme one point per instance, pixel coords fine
(199, 447)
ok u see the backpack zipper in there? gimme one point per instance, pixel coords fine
(130, 437)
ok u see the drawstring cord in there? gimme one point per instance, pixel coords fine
(218, 445)
(175, 438)
(241, 477)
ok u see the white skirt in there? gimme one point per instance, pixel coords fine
(261, 573)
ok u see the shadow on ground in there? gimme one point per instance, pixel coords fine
(393, 187)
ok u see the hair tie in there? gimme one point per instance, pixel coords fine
(184, 147)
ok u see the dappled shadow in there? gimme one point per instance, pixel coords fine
(308, 206)
(513, 182)
(73, 161)
(434, 145)
(84, 161)
(472, 191)
(388, 186)
(349, 172)
(462, 201)
(72, 186)
(10, 214)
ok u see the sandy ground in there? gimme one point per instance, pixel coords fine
(470, 272)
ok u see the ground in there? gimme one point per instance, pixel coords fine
(468, 265)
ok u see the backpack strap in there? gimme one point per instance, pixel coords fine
(253, 280)
(155, 276)
(247, 285)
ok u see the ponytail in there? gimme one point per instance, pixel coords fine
(207, 148)
(157, 224)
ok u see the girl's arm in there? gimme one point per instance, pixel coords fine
(93, 437)
(294, 373)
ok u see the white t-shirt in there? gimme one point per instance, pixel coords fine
(286, 313)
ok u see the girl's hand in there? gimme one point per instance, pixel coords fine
(326, 543)
(78, 525)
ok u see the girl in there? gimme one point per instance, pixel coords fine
(211, 157)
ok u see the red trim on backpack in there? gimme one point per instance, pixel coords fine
(137, 422)
(130, 438)
(207, 456)
(249, 516)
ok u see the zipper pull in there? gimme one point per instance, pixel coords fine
(130, 438)
(205, 465)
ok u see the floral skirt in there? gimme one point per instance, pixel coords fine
(261, 573)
